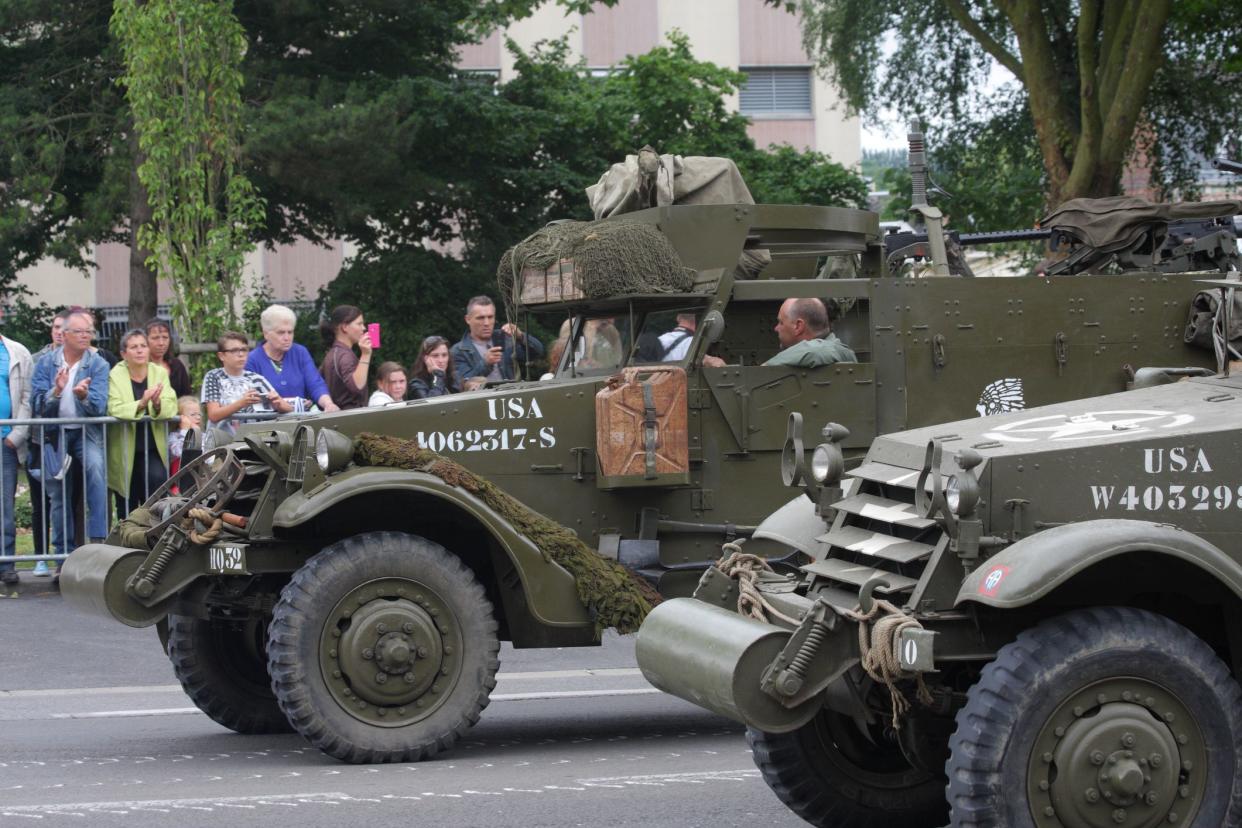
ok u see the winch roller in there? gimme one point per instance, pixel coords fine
(716, 659)
(93, 578)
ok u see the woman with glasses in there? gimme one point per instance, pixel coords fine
(159, 341)
(433, 370)
(141, 395)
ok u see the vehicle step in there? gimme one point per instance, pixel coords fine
(874, 507)
(857, 574)
(877, 544)
(886, 474)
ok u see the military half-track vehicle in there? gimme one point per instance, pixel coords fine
(363, 606)
(1027, 619)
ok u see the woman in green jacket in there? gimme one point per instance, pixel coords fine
(140, 392)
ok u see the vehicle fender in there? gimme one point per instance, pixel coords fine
(550, 591)
(796, 525)
(1028, 570)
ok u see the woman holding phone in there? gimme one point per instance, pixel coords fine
(345, 372)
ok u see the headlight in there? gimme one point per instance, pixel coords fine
(321, 449)
(961, 494)
(333, 450)
(821, 462)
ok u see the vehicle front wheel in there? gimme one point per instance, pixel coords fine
(383, 648)
(832, 774)
(1099, 718)
(222, 666)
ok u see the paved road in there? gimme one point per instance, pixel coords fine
(95, 731)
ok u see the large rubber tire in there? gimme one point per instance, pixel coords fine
(383, 603)
(223, 667)
(831, 774)
(1058, 706)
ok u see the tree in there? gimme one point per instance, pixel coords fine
(63, 159)
(1098, 77)
(183, 83)
(329, 86)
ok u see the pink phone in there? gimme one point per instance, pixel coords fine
(373, 333)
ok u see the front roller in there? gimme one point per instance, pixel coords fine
(93, 579)
(716, 659)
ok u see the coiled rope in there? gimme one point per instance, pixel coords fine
(745, 568)
(204, 517)
(878, 633)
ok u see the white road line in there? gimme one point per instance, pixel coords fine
(201, 803)
(603, 672)
(496, 697)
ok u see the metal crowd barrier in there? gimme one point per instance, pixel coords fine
(43, 429)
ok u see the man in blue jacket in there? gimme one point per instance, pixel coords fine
(487, 353)
(71, 381)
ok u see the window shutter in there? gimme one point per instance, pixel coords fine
(784, 90)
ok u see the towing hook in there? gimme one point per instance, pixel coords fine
(866, 599)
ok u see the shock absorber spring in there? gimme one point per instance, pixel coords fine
(802, 659)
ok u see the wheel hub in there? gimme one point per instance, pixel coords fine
(1122, 752)
(390, 652)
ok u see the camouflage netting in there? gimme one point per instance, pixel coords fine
(611, 258)
(615, 597)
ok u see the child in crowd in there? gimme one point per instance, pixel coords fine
(390, 384)
(191, 414)
(231, 390)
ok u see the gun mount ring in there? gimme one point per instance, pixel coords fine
(208, 487)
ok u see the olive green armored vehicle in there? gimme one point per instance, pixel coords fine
(297, 583)
(1027, 619)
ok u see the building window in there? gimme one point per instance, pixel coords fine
(777, 90)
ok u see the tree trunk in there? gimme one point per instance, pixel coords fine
(143, 296)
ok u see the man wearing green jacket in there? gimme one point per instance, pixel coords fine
(806, 336)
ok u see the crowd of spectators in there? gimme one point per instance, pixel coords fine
(72, 464)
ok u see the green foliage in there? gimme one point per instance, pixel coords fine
(412, 293)
(27, 323)
(23, 510)
(63, 158)
(183, 83)
(783, 175)
(1080, 133)
(994, 178)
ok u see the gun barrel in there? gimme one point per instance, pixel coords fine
(1225, 165)
(1002, 236)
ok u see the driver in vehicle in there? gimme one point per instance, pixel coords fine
(806, 338)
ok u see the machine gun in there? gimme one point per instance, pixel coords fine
(1095, 232)
(933, 219)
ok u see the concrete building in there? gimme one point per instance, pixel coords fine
(787, 102)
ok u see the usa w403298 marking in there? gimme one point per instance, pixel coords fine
(1175, 497)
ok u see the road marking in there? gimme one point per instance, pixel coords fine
(496, 697)
(201, 803)
(603, 672)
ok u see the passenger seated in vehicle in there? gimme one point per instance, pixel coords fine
(805, 336)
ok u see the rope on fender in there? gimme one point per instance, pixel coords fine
(878, 634)
(206, 517)
(745, 568)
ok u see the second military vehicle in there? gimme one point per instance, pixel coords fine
(1028, 619)
(298, 585)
